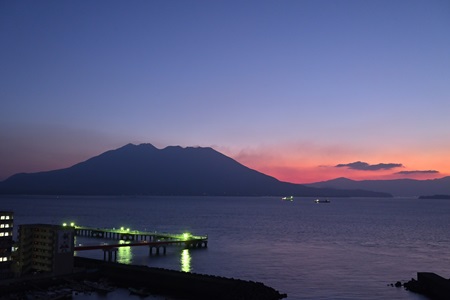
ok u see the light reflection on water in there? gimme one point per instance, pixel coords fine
(185, 260)
(124, 254)
(348, 249)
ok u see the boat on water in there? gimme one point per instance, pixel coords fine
(290, 198)
(322, 201)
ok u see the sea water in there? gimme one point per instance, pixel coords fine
(350, 248)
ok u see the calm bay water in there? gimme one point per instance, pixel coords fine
(351, 248)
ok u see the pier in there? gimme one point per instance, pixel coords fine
(135, 238)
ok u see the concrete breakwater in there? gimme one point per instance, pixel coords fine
(431, 285)
(179, 284)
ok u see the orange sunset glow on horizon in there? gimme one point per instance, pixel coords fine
(304, 91)
(313, 166)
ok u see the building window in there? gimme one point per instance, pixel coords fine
(2, 217)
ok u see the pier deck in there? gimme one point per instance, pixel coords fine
(135, 238)
(132, 235)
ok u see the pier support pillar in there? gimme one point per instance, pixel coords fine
(110, 254)
(157, 250)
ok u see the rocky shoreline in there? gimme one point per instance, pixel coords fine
(429, 284)
(98, 276)
(179, 284)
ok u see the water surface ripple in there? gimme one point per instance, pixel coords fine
(351, 248)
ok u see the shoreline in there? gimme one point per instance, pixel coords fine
(156, 281)
(179, 284)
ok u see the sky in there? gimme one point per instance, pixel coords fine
(303, 91)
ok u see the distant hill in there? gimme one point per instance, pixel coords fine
(146, 170)
(435, 197)
(397, 187)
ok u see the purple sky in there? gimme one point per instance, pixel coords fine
(290, 88)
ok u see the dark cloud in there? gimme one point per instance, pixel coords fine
(359, 165)
(418, 172)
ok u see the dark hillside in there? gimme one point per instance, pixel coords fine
(146, 170)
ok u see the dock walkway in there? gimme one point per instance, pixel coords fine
(132, 235)
(154, 240)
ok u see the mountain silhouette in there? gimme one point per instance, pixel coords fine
(396, 187)
(145, 170)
